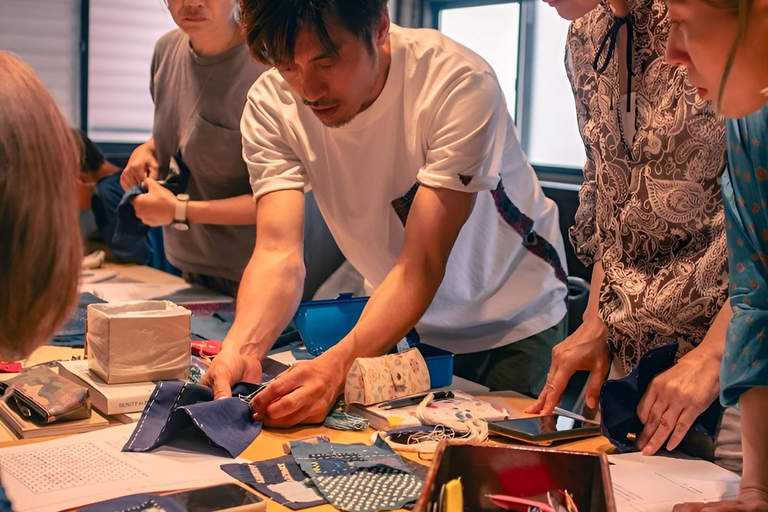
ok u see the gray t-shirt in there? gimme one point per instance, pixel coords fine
(198, 104)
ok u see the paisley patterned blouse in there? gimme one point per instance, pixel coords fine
(650, 208)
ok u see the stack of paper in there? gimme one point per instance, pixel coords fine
(658, 483)
(79, 470)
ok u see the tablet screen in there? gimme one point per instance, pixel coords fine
(541, 425)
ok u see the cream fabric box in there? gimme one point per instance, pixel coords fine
(138, 341)
(375, 379)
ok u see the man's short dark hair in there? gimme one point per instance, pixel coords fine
(271, 26)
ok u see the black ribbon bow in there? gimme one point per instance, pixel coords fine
(609, 41)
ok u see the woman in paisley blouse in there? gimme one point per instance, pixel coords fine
(650, 220)
(729, 38)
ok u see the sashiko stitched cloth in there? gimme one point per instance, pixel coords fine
(176, 406)
(357, 477)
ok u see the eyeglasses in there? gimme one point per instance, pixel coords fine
(558, 501)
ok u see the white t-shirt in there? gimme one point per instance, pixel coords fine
(440, 121)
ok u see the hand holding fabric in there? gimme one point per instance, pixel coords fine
(156, 207)
(229, 367)
(676, 397)
(303, 394)
(142, 164)
(585, 349)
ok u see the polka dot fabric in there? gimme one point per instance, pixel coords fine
(745, 197)
(358, 478)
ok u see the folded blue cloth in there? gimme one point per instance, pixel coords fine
(619, 400)
(175, 406)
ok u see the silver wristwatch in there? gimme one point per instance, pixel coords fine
(180, 213)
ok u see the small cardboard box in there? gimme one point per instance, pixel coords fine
(138, 341)
(518, 471)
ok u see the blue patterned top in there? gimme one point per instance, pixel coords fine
(745, 197)
(5, 504)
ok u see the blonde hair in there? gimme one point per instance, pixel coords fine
(40, 247)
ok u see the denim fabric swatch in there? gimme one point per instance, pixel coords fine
(214, 327)
(137, 503)
(128, 225)
(72, 334)
(281, 479)
(176, 406)
(356, 477)
(619, 400)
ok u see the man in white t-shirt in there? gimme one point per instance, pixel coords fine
(406, 140)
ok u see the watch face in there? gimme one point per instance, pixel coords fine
(180, 226)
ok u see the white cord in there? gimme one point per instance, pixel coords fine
(474, 431)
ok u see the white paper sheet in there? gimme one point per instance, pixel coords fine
(96, 275)
(79, 470)
(180, 293)
(117, 292)
(656, 484)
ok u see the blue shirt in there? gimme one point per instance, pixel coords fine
(745, 197)
(5, 504)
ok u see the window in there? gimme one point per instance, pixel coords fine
(552, 130)
(121, 43)
(525, 45)
(46, 35)
(493, 32)
(112, 99)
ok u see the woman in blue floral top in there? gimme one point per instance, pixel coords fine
(724, 46)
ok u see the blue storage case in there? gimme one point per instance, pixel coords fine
(323, 323)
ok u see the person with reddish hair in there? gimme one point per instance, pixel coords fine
(40, 245)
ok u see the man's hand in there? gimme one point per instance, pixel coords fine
(156, 207)
(302, 394)
(676, 397)
(749, 500)
(586, 349)
(142, 165)
(230, 366)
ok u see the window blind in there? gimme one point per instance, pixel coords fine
(46, 35)
(121, 43)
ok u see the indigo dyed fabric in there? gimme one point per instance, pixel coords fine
(128, 225)
(357, 477)
(104, 201)
(619, 400)
(73, 332)
(214, 327)
(176, 406)
(281, 479)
